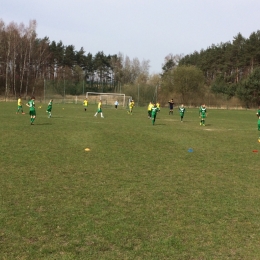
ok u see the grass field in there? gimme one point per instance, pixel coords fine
(137, 194)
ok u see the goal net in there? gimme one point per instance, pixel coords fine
(108, 98)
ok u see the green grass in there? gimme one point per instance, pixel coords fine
(137, 194)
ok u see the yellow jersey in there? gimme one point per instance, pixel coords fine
(19, 102)
(150, 107)
(131, 104)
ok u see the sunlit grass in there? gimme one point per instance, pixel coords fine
(137, 194)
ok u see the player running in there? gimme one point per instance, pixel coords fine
(154, 113)
(149, 110)
(49, 108)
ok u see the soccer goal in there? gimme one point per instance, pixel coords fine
(107, 98)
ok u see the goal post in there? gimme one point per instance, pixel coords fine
(107, 98)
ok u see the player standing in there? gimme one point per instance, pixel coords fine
(203, 114)
(99, 110)
(32, 112)
(131, 106)
(171, 103)
(49, 108)
(258, 122)
(85, 104)
(116, 104)
(20, 106)
(182, 110)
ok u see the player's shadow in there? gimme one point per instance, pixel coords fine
(44, 124)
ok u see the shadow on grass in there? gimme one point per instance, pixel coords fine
(42, 124)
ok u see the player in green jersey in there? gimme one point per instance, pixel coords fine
(203, 114)
(182, 111)
(258, 122)
(154, 113)
(99, 110)
(32, 112)
(49, 108)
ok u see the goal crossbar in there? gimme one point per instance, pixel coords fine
(106, 94)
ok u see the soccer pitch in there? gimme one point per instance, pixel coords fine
(169, 191)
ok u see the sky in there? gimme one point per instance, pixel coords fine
(143, 29)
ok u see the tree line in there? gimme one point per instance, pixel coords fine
(26, 61)
(231, 68)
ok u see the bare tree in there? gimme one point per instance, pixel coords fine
(31, 35)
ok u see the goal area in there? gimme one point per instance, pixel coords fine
(107, 98)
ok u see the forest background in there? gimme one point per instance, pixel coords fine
(224, 74)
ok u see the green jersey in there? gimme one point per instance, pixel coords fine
(258, 113)
(49, 105)
(31, 105)
(154, 110)
(258, 122)
(181, 110)
(203, 111)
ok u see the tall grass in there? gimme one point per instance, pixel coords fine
(137, 194)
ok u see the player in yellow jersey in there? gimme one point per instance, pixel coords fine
(131, 106)
(19, 106)
(149, 109)
(99, 110)
(158, 106)
(85, 104)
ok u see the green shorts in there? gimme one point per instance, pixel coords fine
(32, 113)
(99, 110)
(258, 124)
